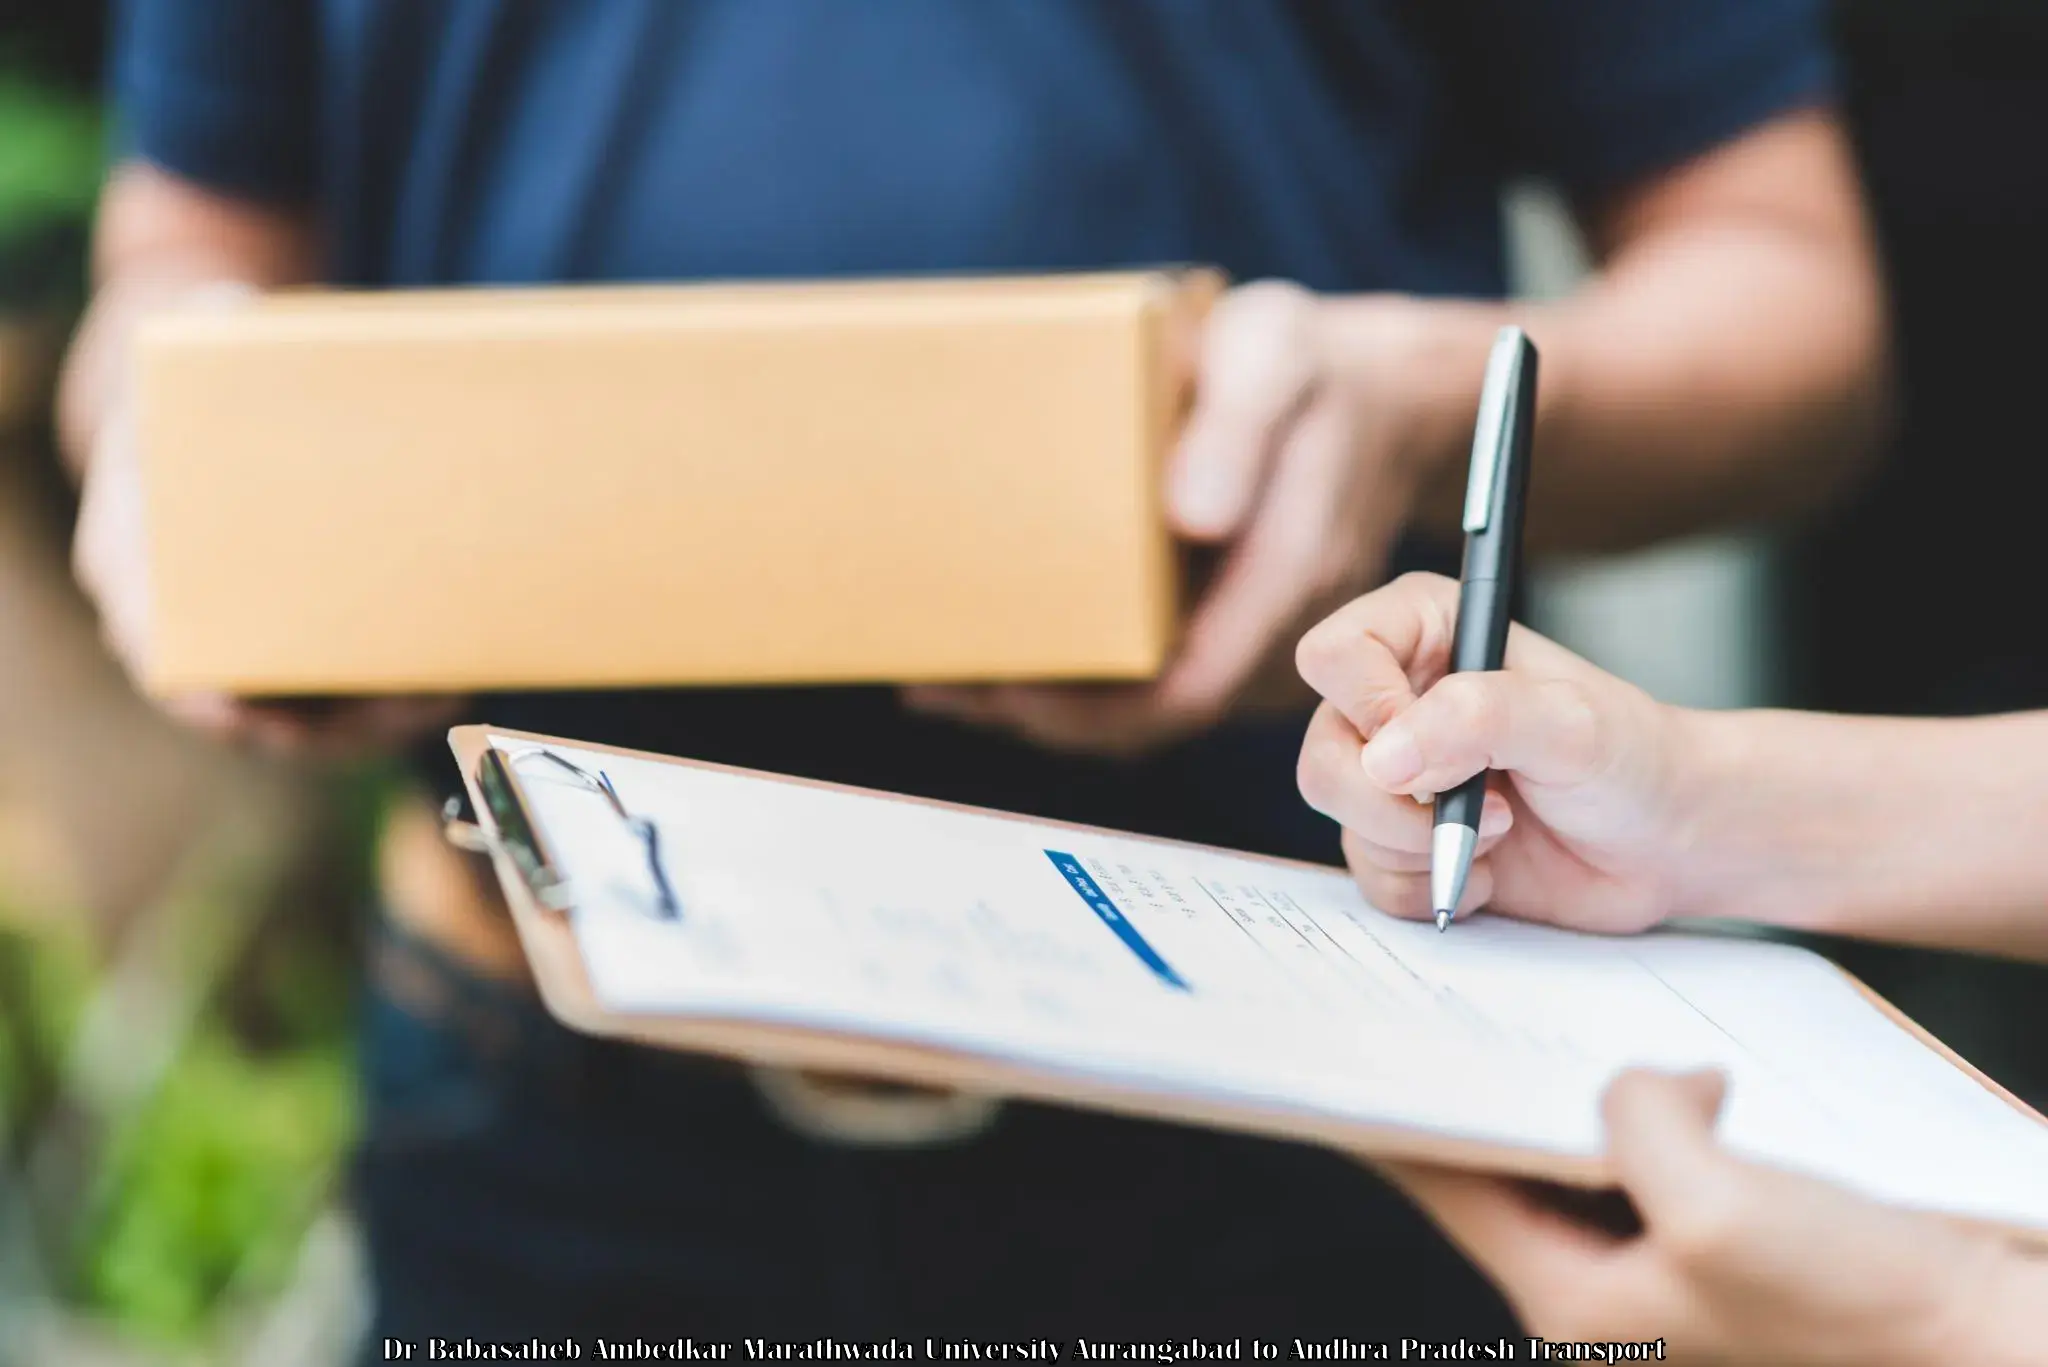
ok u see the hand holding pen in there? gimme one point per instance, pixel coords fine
(1582, 828)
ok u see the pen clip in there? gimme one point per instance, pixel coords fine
(1490, 434)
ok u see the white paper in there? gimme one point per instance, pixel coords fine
(1185, 971)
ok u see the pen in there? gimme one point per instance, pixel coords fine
(1495, 491)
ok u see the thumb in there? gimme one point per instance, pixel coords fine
(1660, 1139)
(1546, 729)
(107, 549)
(1259, 360)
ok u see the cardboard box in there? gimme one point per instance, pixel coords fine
(939, 479)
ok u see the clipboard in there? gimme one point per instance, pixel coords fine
(541, 910)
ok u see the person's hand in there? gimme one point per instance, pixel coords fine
(1587, 823)
(1310, 433)
(112, 566)
(1734, 1263)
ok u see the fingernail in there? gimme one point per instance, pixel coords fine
(1391, 758)
(1493, 820)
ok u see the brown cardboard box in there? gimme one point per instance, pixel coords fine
(942, 479)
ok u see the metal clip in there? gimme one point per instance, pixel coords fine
(1489, 435)
(513, 840)
(464, 835)
(516, 838)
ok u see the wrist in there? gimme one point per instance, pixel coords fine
(1996, 1314)
(1804, 821)
(1725, 844)
(1880, 828)
(1417, 365)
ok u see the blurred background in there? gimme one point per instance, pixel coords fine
(176, 921)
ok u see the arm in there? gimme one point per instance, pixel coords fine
(1612, 811)
(1724, 364)
(1609, 811)
(1930, 833)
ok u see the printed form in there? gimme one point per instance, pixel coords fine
(1184, 971)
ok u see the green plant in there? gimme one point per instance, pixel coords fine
(194, 1198)
(51, 152)
(45, 976)
(210, 1188)
(52, 157)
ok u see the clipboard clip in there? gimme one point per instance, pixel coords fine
(839, 1110)
(517, 839)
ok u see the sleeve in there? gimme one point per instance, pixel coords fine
(221, 92)
(1596, 94)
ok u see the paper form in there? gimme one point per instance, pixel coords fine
(1186, 971)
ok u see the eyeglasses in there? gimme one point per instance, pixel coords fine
(666, 903)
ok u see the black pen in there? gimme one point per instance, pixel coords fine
(1496, 491)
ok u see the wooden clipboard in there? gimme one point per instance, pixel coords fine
(550, 945)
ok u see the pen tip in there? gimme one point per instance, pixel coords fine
(1443, 921)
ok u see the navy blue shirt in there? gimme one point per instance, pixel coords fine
(1346, 145)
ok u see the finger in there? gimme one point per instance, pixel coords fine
(962, 703)
(365, 725)
(1385, 859)
(107, 553)
(982, 708)
(321, 729)
(1380, 650)
(937, 697)
(1372, 656)
(1104, 719)
(1406, 895)
(1258, 363)
(386, 721)
(1522, 1245)
(283, 734)
(1405, 858)
(1187, 327)
(1660, 1138)
(1268, 578)
(1332, 782)
(1545, 729)
(216, 714)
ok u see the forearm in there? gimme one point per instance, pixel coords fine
(1927, 832)
(2007, 1327)
(159, 242)
(1725, 365)
(1715, 378)
(1759, 405)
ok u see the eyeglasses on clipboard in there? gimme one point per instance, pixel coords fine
(520, 841)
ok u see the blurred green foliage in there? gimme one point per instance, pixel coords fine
(205, 1193)
(211, 1186)
(45, 975)
(52, 158)
(51, 152)
(197, 1200)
